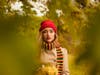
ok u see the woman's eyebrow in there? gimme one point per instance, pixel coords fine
(44, 30)
(51, 29)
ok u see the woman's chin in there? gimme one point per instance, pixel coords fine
(49, 41)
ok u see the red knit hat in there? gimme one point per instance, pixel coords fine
(49, 24)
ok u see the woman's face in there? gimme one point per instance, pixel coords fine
(48, 35)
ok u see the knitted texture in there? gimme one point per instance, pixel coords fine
(48, 24)
(59, 61)
(47, 46)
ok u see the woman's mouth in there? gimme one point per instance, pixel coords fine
(48, 38)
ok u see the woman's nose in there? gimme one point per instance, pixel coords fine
(48, 34)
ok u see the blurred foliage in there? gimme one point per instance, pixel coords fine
(78, 31)
(92, 50)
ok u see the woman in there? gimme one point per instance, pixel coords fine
(51, 51)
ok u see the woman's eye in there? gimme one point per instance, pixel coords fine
(51, 31)
(44, 31)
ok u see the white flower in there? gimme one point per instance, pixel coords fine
(17, 6)
(59, 12)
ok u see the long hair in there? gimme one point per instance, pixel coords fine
(55, 42)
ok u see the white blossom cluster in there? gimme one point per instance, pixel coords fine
(39, 7)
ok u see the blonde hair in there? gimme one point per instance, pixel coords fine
(55, 41)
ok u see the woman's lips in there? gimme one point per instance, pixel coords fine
(48, 38)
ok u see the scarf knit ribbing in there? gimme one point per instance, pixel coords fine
(59, 61)
(47, 46)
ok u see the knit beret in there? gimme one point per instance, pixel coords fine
(48, 24)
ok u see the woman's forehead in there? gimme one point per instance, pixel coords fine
(48, 28)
